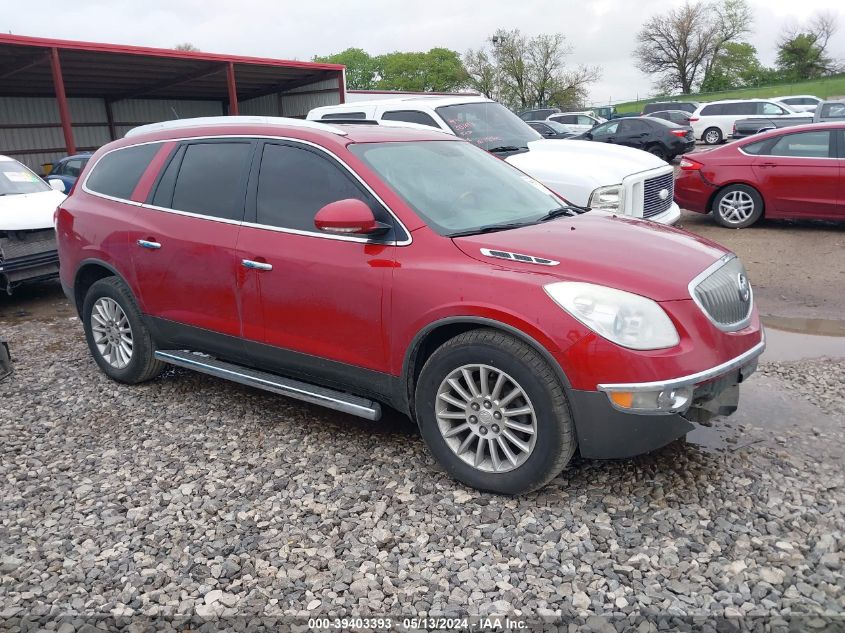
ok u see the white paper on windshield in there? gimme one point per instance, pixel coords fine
(19, 176)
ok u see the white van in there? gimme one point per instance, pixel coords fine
(713, 122)
(619, 179)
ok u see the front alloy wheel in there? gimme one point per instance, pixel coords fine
(494, 413)
(486, 418)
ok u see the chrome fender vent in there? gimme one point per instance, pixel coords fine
(518, 257)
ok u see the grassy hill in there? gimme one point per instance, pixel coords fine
(822, 88)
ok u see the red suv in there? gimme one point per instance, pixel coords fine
(353, 265)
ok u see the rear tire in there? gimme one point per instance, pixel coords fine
(737, 206)
(117, 336)
(656, 150)
(481, 433)
(712, 136)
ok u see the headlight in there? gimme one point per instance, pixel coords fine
(622, 317)
(608, 198)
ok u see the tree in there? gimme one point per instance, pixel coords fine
(735, 66)
(523, 71)
(438, 70)
(681, 45)
(481, 72)
(361, 68)
(186, 46)
(802, 51)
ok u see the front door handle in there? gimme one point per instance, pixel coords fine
(149, 244)
(768, 164)
(253, 265)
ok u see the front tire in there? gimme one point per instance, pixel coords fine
(712, 136)
(737, 206)
(117, 337)
(494, 413)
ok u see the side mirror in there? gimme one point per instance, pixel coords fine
(348, 217)
(56, 184)
(589, 135)
(548, 133)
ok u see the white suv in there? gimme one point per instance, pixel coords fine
(576, 122)
(713, 122)
(595, 175)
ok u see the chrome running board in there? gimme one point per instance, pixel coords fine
(304, 391)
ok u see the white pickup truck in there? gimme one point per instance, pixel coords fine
(595, 175)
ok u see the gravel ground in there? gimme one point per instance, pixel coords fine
(817, 381)
(190, 496)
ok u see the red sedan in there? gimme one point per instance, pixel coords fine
(793, 173)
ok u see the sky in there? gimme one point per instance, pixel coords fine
(601, 32)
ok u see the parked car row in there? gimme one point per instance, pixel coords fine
(353, 265)
(828, 111)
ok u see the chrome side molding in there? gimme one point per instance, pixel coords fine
(329, 398)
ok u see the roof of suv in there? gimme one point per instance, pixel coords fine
(431, 101)
(333, 134)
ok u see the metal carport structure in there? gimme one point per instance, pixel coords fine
(58, 96)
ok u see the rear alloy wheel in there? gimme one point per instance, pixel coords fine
(494, 413)
(712, 136)
(737, 206)
(658, 151)
(117, 336)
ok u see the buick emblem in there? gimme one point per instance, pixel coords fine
(743, 287)
(664, 193)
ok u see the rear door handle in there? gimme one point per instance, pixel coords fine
(149, 244)
(253, 265)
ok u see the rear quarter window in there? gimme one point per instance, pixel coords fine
(117, 173)
(713, 110)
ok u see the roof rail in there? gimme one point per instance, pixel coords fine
(178, 124)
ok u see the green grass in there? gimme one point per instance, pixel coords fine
(822, 88)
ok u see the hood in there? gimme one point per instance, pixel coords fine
(638, 256)
(574, 168)
(27, 211)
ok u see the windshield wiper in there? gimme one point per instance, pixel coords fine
(507, 148)
(568, 211)
(490, 228)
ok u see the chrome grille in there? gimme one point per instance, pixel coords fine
(724, 294)
(653, 204)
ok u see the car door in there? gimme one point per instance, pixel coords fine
(183, 244)
(799, 175)
(314, 304)
(633, 133)
(605, 133)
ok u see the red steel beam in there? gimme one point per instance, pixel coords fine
(61, 98)
(233, 89)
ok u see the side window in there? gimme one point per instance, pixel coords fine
(73, 167)
(117, 173)
(343, 115)
(802, 145)
(542, 128)
(409, 116)
(294, 183)
(606, 130)
(770, 109)
(713, 110)
(210, 180)
(756, 148)
(833, 110)
(585, 120)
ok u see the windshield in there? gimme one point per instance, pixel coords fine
(16, 179)
(457, 188)
(489, 125)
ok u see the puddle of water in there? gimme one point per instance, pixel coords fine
(789, 339)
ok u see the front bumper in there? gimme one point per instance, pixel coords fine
(669, 217)
(607, 431)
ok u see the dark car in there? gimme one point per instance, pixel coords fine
(540, 114)
(67, 170)
(681, 117)
(657, 106)
(551, 129)
(662, 138)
